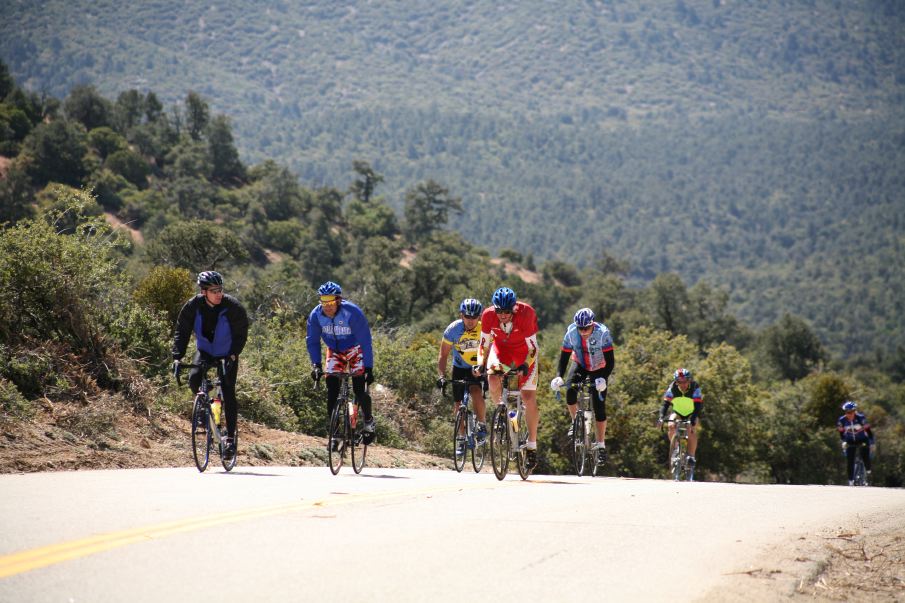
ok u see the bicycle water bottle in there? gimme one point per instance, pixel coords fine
(513, 421)
(588, 417)
(353, 414)
(215, 410)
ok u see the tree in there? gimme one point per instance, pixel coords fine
(105, 141)
(7, 83)
(792, 348)
(165, 290)
(226, 167)
(128, 110)
(427, 208)
(129, 165)
(196, 245)
(197, 115)
(85, 104)
(363, 187)
(16, 195)
(668, 301)
(56, 152)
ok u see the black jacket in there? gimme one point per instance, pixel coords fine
(185, 323)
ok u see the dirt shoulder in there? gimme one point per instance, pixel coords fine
(54, 441)
(861, 560)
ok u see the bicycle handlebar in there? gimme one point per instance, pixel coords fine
(203, 366)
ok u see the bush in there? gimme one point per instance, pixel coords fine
(164, 291)
(13, 404)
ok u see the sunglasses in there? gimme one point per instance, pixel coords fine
(587, 328)
(502, 311)
(328, 299)
(214, 290)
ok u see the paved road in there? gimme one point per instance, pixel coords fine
(301, 534)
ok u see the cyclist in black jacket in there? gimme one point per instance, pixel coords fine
(220, 324)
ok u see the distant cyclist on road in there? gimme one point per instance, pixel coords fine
(344, 329)
(854, 429)
(463, 338)
(220, 324)
(590, 345)
(684, 387)
(509, 340)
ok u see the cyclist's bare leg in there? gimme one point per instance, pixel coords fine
(601, 431)
(477, 400)
(495, 387)
(671, 430)
(692, 440)
(529, 397)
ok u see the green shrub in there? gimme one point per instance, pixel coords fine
(165, 290)
(12, 403)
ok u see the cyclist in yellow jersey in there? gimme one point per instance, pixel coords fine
(463, 338)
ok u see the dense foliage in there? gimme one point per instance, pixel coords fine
(75, 293)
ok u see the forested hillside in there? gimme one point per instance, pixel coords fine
(755, 145)
(87, 307)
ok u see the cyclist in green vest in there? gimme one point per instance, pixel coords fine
(684, 394)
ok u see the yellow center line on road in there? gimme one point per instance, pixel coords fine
(25, 561)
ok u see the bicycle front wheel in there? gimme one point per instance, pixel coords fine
(499, 442)
(859, 475)
(523, 470)
(579, 449)
(229, 462)
(336, 442)
(202, 438)
(357, 447)
(676, 458)
(460, 440)
(477, 453)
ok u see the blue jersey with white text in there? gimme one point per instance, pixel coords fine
(344, 331)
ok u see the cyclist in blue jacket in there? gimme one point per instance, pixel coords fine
(854, 429)
(220, 325)
(345, 331)
(590, 345)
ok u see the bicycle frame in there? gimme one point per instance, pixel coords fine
(509, 430)
(678, 448)
(584, 430)
(214, 433)
(464, 430)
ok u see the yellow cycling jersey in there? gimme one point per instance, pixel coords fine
(464, 343)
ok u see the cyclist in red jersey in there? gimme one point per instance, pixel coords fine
(509, 340)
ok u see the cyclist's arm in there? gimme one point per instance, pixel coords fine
(238, 324)
(484, 348)
(443, 357)
(183, 330)
(564, 356)
(362, 332)
(313, 338)
(610, 357)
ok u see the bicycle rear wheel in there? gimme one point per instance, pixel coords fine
(460, 440)
(336, 438)
(357, 447)
(579, 449)
(477, 453)
(523, 470)
(499, 442)
(201, 435)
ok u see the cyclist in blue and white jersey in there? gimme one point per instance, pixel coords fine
(590, 345)
(345, 331)
(463, 338)
(854, 429)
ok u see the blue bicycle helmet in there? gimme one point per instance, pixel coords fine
(584, 317)
(471, 308)
(682, 372)
(849, 406)
(504, 298)
(209, 278)
(330, 288)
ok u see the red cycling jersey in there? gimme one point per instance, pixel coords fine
(512, 347)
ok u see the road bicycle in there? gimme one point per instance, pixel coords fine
(678, 452)
(209, 417)
(584, 432)
(346, 430)
(464, 432)
(509, 430)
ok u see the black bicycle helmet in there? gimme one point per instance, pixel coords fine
(209, 278)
